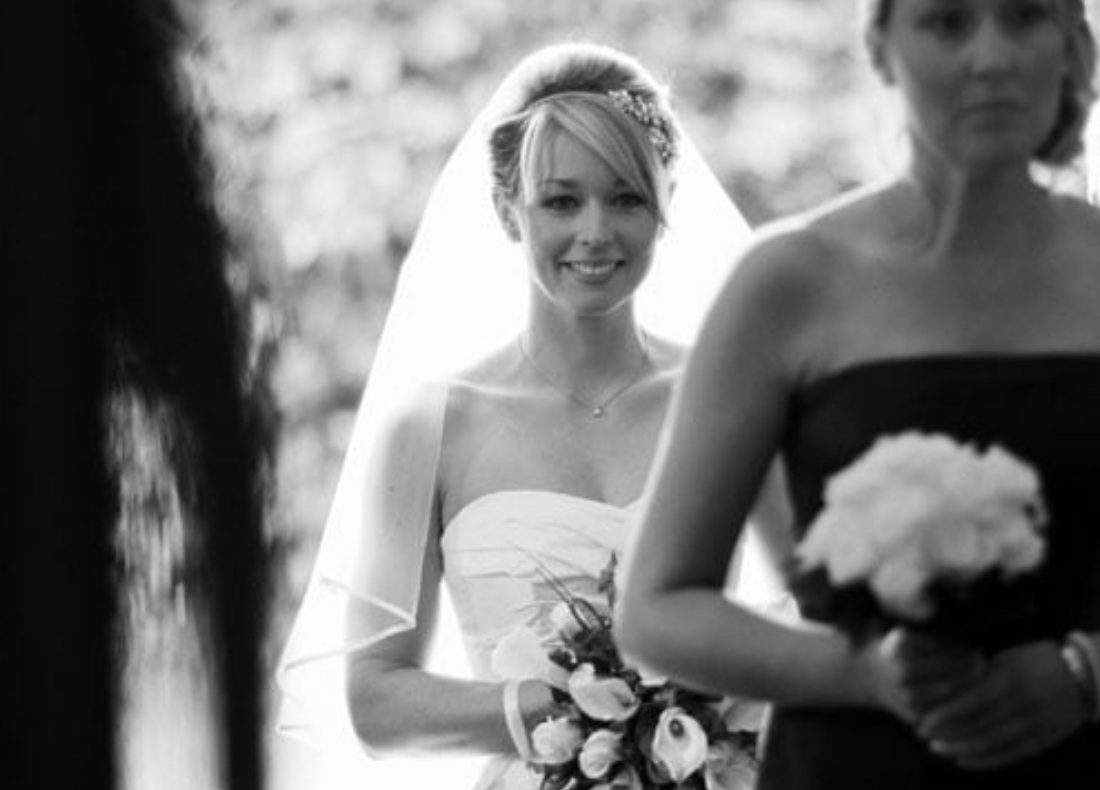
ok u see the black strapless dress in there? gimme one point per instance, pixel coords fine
(1043, 408)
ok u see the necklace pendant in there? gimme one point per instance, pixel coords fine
(598, 412)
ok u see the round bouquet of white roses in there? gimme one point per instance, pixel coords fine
(924, 530)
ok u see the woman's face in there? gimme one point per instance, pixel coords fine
(588, 235)
(980, 79)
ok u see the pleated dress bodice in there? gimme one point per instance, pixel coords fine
(497, 552)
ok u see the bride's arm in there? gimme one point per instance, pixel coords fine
(726, 423)
(397, 707)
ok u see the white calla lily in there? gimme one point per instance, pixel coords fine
(602, 698)
(728, 768)
(679, 743)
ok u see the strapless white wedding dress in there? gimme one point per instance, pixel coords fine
(495, 551)
(492, 553)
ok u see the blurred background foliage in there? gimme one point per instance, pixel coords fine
(330, 120)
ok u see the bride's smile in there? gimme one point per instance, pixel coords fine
(589, 236)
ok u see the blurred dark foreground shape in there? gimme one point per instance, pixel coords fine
(108, 242)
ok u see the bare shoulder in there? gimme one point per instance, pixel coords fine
(486, 400)
(792, 287)
(788, 268)
(412, 421)
(666, 356)
(838, 231)
(429, 413)
(482, 385)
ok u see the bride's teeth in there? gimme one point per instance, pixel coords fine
(594, 268)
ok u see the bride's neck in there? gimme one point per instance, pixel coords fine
(581, 350)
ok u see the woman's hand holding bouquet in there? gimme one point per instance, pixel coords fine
(924, 553)
(620, 728)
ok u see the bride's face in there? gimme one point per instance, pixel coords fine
(589, 236)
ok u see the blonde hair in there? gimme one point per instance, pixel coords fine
(565, 89)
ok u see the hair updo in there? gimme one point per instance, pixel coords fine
(572, 88)
(1065, 139)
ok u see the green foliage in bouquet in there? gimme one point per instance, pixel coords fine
(623, 728)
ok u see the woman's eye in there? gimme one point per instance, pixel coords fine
(630, 200)
(560, 202)
(1024, 15)
(946, 23)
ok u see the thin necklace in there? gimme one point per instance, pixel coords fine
(595, 410)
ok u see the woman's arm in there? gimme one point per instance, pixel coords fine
(397, 707)
(725, 427)
(395, 704)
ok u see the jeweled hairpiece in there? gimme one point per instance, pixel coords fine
(634, 105)
(649, 115)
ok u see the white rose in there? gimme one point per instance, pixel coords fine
(625, 779)
(556, 741)
(679, 744)
(742, 715)
(960, 549)
(602, 698)
(900, 587)
(521, 656)
(1010, 475)
(1021, 548)
(602, 750)
(836, 542)
(728, 768)
(902, 516)
(920, 507)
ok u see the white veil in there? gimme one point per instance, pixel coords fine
(462, 291)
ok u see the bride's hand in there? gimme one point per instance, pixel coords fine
(536, 703)
(1023, 702)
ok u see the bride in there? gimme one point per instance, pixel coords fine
(513, 408)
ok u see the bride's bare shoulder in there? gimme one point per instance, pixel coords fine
(666, 356)
(486, 384)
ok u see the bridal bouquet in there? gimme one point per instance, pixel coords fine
(621, 728)
(925, 531)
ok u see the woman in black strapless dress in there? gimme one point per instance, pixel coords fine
(962, 297)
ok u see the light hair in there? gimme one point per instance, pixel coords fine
(595, 123)
(564, 89)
